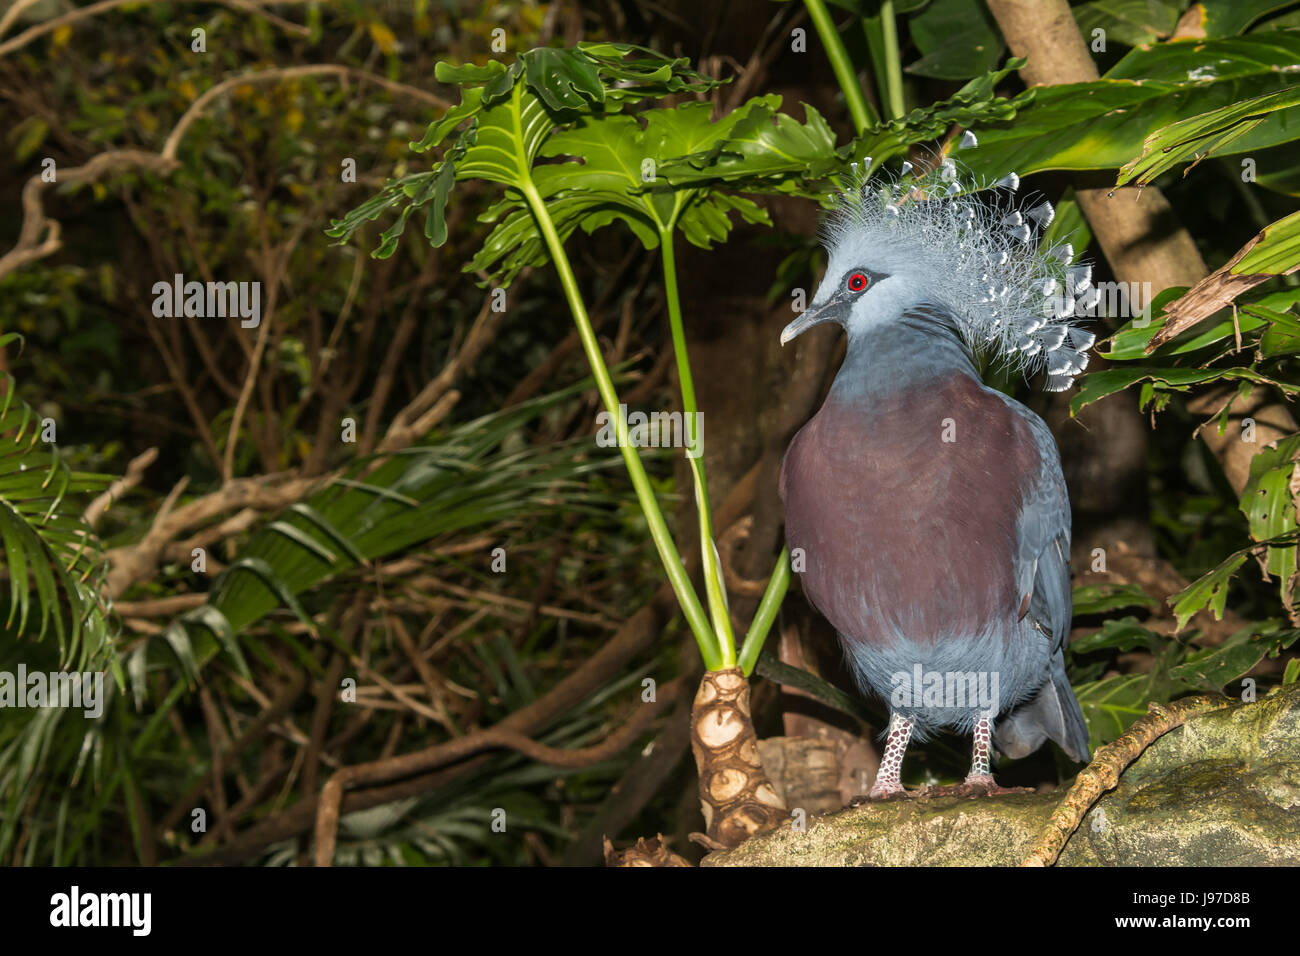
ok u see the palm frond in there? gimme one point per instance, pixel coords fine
(473, 476)
(54, 562)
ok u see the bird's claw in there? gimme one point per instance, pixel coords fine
(881, 796)
(982, 785)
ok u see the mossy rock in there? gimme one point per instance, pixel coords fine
(1222, 790)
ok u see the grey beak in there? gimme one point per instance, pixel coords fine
(832, 311)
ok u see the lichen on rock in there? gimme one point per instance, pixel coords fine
(1221, 790)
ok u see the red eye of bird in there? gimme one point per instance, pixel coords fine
(857, 282)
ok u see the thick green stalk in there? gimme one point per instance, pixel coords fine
(715, 587)
(669, 261)
(875, 38)
(859, 109)
(686, 596)
(892, 95)
(777, 585)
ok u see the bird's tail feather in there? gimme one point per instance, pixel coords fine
(1053, 714)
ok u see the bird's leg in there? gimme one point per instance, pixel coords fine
(888, 782)
(979, 782)
(980, 775)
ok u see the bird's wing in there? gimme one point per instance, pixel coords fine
(1043, 575)
(1042, 561)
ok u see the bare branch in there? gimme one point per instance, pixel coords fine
(134, 473)
(40, 236)
(95, 9)
(287, 73)
(331, 798)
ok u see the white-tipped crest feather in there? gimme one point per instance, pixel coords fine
(977, 253)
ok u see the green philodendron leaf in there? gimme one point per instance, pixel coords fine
(688, 130)
(565, 79)
(635, 72)
(435, 222)
(471, 101)
(396, 192)
(605, 155)
(1130, 22)
(975, 106)
(706, 220)
(500, 86)
(590, 73)
(515, 244)
(389, 238)
(594, 219)
(1103, 124)
(1276, 253)
(505, 114)
(958, 39)
(765, 149)
(465, 73)
(1197, 137)
(626, 159)
(611, 173)
(507, 137)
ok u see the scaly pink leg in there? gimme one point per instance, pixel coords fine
(980, 775)
(979, 782)
(887, 782)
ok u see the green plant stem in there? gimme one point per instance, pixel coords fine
(859, 109)
(669, 262)
(777, 585)
(715, 587)
(892, 95)
(874, 35)
(681, 584)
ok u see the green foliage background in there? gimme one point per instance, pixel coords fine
(442, 188)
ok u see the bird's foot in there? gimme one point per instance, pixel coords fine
(975, 785)
(880, 793)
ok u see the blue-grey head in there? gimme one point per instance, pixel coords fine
(973, 257)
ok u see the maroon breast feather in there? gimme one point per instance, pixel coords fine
(904, 533)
